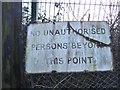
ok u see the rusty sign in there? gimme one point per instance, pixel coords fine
(68, 47)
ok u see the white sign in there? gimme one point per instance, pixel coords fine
(68, 47)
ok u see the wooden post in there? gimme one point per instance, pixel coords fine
(11, 26)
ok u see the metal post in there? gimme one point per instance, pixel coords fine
(34, 11)
(0, 45)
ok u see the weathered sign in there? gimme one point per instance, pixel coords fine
(68, 47)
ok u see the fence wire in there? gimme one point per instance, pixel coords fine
(76, 10)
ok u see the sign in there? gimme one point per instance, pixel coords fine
(68, 47)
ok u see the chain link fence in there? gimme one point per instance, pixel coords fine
(76, 10)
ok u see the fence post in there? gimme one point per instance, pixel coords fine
(11, 26)
(0, 45)
(33, 11)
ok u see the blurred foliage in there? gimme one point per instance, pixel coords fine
(41, 16)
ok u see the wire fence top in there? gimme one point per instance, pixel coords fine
(75, 10)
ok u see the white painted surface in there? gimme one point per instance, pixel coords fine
(76, 54)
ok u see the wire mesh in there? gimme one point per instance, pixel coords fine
(78, 10)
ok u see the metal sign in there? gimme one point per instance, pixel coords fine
(68, 47)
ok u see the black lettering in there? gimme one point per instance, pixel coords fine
(33, 46)
(75, 60)
(81, 60)
(90, 45)
(98, 30)
(43, 46)
(63, 31)
(86, 31)
(84, 60)
(57, 32)
(103, 30)
(32, 33)
(68, 30)
(80, 31)
(69, 59)
(35, 33)
(45, 32)
(52, 61)
(56, 61)
(74, 32)
(53, 46)
(64, 45)
(59, 46)
(47, 46)
(51, 32)
(85, 43)
(90, 59)
(60, 60)
(93, 31)
(73, 45)
(38, 47)
(79, 45)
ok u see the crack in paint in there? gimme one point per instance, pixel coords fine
(98, 43)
